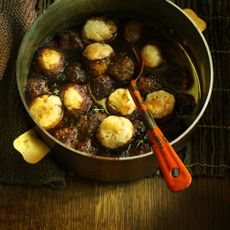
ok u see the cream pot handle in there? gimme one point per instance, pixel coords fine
(199, 23)
(31, 147)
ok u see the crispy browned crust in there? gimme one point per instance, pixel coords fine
(86, 103)
(56, 69)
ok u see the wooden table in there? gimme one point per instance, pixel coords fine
(139, 205)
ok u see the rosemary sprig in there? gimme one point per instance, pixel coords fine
(123, 53)
(46, 89)
(141, 141)
(96, 110)
(55, 89)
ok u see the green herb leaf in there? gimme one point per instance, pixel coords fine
(46, 90)
(96, 110)
(123, 53)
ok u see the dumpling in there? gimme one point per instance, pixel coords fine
(115, 132)
(121, 102)
(50, 60)
(161, 103)
(75, 98)
(99, 29)
(47, 110)
(97, 56)
(151, 55)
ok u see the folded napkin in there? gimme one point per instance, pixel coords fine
(209, 150)
(16, 16)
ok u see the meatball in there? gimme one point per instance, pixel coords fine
(177, 77)
(97, 57)
(50, 60)
(185, 103)
(86, 146)
(133, 31)
(47, 110)
(121, 102)
(148, 84)
(90, 122)
(139, 126)
(99, 29)
(160, 103)
(115, 132)
(68, 136)
(75, 98)
(75, 73)
(101, 86)
(51, 43)
(142, 148)
(36, 86)
(172, 128)
(151, 55)
(70, 40)
(121, 68)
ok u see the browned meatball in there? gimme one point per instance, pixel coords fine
(122, 68)
(75, 73)
(36, 86)
(70, 40)
(148, 84)
(172, 128)
(133, 30)
(177, 77)
(185, 103)
(68, 136)
(89, 123)
(142, 148)
(101, 86)
(86, 146)
(51, 43)
(139, 126)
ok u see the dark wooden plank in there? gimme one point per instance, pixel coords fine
(142, 204)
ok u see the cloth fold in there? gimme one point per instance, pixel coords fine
(209, 150)
(16, 16)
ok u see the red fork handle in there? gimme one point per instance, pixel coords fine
(176, 176)
(174, 172)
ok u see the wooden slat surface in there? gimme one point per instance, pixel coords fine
(142, 204)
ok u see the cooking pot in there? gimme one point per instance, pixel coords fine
(64, 12)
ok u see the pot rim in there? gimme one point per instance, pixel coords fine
(126, 158)
(194, 123)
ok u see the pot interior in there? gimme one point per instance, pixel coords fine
(64, 12)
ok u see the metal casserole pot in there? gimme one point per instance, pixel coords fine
(65, 11)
